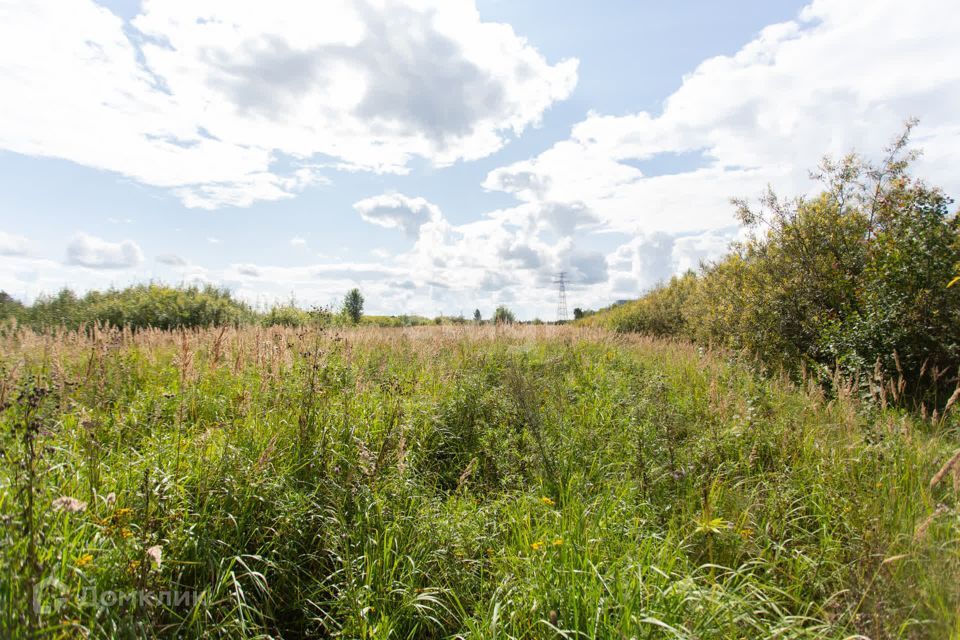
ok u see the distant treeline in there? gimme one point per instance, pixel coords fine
(138, 306)
(162, 306)
(858, 280)
(171, 307)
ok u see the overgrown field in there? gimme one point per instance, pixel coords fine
(476, 482)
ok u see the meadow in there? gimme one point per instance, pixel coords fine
(459, 482)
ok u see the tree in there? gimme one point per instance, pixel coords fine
(854, 279)
(476, 315)
(353, 305)
(12, 308)
(503, 315)
(577, 313)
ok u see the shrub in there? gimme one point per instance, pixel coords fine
(141, 306)
(286, 315)
(856, 278)
(503, 315)
(659, 313)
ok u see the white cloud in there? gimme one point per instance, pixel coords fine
(842, 75)
(13, 245)
(26, 277)
(297, 241)
(230, 103)
(509, 252)
(651, 259)
(397, 211)
(89, 251)
(171, 259)
(219, 131)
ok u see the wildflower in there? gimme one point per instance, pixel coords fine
(111, 498)
(83, 560)
(537, 546)
(155, 553)
(125, 533)
(70, 505)
(547, 501)
(745, 533)
(557, 542)
(133, 567)
(116, 517)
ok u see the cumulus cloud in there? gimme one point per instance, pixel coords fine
(508, 254)
(585, 267)
(172, 260)
(763, 115)
(13, 245)
(95, 253)
(250, 104)
(297, 241)
(230, 103)
(653, 258)
(566, 218)
(394, 210)
(516, 252)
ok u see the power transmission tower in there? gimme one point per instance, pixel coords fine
(561, 282)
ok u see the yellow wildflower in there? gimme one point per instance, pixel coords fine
(557, 542)
(84, 560)
(547, 501)
(537, 546)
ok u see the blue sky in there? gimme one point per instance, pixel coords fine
(442, 156)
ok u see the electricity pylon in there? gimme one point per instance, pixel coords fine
(561, 282)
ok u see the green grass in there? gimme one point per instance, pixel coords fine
(472, 482)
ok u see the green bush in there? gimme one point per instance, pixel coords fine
(659, 313)
(286, 315)
(139, 307)
(10, 307)
(503, 315)
(856, 278)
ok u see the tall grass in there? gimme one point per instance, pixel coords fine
(472, 482)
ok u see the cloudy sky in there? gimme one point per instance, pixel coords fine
(442, 155)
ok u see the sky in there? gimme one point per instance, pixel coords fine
(441, 155)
